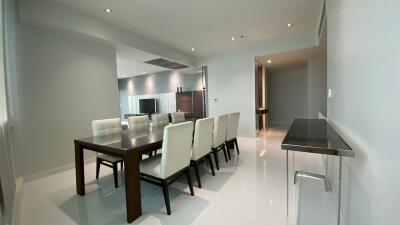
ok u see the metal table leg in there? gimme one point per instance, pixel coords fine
(340, 189)
(287, 186)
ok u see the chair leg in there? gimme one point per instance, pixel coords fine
(228, 150)
(115, 172)
(216, 157)
(189, 180)
(166, 196)
(224, 150)
(211, 164)
(196, 170)
(236, 144)
(97, 168)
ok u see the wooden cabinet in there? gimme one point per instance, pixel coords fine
(192, 103)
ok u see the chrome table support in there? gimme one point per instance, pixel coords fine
(287, 186)
(339, 189)
(312, 176)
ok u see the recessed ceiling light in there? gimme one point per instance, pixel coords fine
(108, 10)
(233, 38)
(269, 61)
(289, 24)
(193, 49)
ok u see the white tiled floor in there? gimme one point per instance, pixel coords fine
(250, 189)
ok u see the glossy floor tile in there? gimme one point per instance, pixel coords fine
(250, 189)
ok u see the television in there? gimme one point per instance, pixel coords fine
(148, 105)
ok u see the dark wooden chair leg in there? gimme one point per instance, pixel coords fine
(97, 167)
(216, 157)
(189, 180)
(228, 150)
(224, 150)
(211, 164)
(164, 185)
(115, 172)
(236, 144)
(196, 170)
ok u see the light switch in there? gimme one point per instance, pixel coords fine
(329, 93)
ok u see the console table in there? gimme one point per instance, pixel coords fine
(314, 136)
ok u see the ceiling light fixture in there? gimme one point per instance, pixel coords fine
(269, 61)
(289, 25)
(108, 10)
(193, 49)
(233, 38)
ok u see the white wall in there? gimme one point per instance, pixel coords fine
(317, 92)
(63, 82)
(287, 95)
(7, 176)
(231, 77)
(363, 72)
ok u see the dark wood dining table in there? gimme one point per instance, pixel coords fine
(129, 145)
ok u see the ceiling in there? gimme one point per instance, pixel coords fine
(289, 59)
(130, 62)
(206, 25)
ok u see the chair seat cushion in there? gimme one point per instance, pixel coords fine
(151, 166)
(108, 158)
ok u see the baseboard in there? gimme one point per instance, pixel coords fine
(53, 171)
(19, 187)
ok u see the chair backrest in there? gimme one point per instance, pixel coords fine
(160, 119)
(219, 132)
(176, 148)
(106, 126)
(139, 122)
(178, 117)
(233, 123)
(202, 140)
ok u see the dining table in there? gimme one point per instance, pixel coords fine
(129, 145)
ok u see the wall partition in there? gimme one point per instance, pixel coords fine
(172, 91)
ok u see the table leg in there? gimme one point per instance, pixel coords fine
(132, 186)
(79, 169)
(339, 189)
(287, 186)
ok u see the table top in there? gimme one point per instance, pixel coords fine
(127, 139)
(315, 136)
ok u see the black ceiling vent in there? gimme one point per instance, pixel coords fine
(166, 63)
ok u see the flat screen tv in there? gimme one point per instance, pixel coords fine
(148, 105)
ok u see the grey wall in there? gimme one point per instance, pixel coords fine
(287, 95)
(317, 91)
(363, 73)
(163, 82)
(231, 76)
(63, 82)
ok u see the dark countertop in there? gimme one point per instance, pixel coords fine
(315, 136)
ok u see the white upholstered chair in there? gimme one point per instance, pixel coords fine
(231, 132)
(139, 123)
(103, 128)
(174, 161)
(178, 117)
(219, 135)
(201, 149)
(159, 120)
